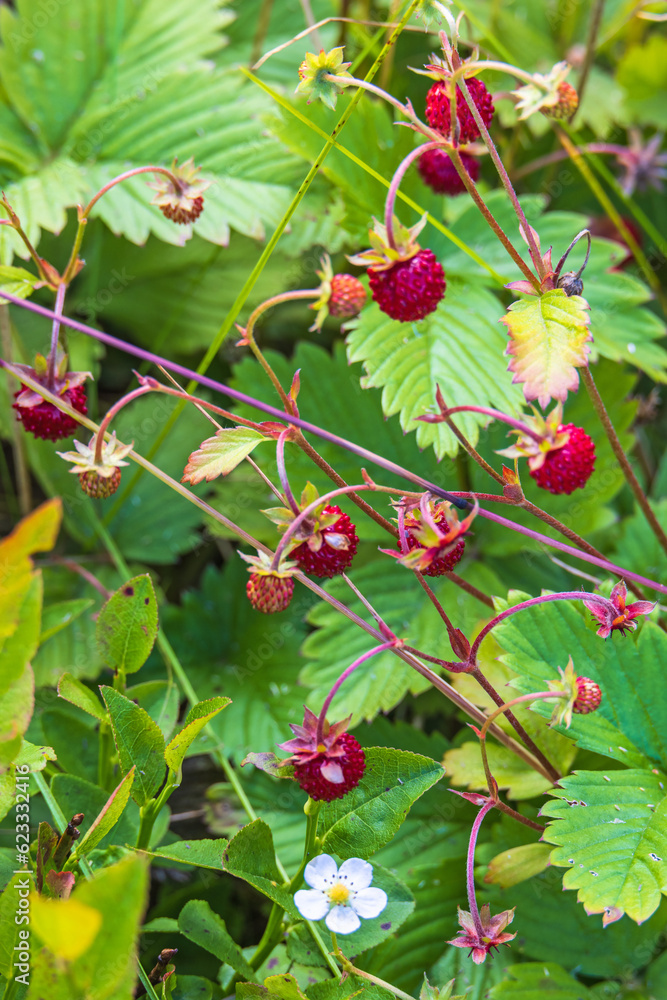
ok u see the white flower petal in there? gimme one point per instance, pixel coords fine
(369, 902)
(321, 871)
(311, 903)
(355, 873)
(342, 920)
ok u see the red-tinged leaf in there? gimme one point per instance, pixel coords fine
(219, 454)
(548, 342)
(60, 884)
(273, 428)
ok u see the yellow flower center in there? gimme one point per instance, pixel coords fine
(339, 894)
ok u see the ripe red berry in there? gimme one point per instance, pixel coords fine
(333, 555)
(352, 763)
(268, 593)
(410, 289)
(588, 698)
(348, 296)
(98, 486)
(439, 172)
(441, 564)
(438, 109)
(48, 422)
(568, 468)
(567, 104)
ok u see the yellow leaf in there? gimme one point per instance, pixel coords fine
(549, 338)
(67, 927)
(35, 533)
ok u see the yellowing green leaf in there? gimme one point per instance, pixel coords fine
(66, 926)
(548, 338)
(17, 281)
(518, 864)
(108, 817)
(218, 455)
(72, 690)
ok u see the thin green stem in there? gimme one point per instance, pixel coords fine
(591, 40)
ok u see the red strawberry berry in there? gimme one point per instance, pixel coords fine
(326, 553)
(348, 296)
(352, 763)
(588, 698)
(441, 564)
(438, 109)
(410, 289)
(440, 174)
(269, 593)
(97, 486)
(48, 422)
(568, 468)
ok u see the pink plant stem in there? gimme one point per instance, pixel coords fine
(562, 154)
(85, 212)
(55, 335)
(487, 411)
(372, 89)
(470, 867)
(312, 507)
(567, 595)
(535, 255)
(282, 471)
(111, 413)
(343, 677)
(395, 184)
(504, 707)
(334, 439)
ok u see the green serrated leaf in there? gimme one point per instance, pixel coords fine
(534, 980)
(459, 347)
(139, 743)
(218, 455)
(200, 924)
(198, 717)
(351, 986)
(74, 691)
(105, 820)
(367, 818)
(251, 857)
(632, 717)
(548, 337)
(74, 794)
(611, 831)
(201, 853)
(127, 626)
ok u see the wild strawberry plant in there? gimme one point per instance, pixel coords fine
(292, 705)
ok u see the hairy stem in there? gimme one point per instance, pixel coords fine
(343, 677)
(622, 458)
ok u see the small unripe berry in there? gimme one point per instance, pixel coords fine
(348, 296)
(588, 698)
(97, 486)
(269, 594)
(566, 105)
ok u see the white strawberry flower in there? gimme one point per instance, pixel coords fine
(342, 895)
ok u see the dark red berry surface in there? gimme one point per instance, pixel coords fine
(570, 467)
(438, 171)
(411, 289)
(48, 422)
(352, 764)
(438, 109)
(328, 561)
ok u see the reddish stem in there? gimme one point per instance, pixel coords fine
(470, 867)
(395, 184)
(343, 677)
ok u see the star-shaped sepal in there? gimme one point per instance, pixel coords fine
(316, 72)
(382, 255)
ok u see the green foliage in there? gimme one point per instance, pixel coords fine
(127, 626)
(251, 857)
(367, 818)
(535, 980)
(139, 744)
(200, 924)
(198, 717)
(105, 821)
(627, 670)
(616, 871)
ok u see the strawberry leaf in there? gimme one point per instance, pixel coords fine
(218, 455)
(611, 832)
(548, 337)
